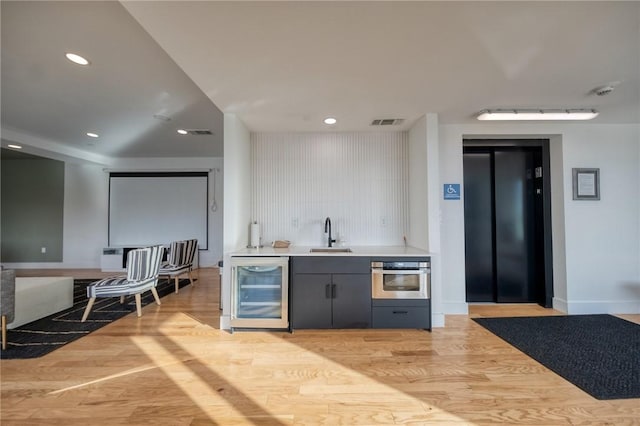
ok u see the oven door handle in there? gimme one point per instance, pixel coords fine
(400, 271)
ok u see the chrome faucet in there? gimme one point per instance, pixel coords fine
(327, 227)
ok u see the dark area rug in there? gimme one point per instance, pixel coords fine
(598, 353)
(42, 336)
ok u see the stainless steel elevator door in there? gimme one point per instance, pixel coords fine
(500, 225)
(478, 223)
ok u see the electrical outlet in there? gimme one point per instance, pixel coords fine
(295, 223)
(43, 250)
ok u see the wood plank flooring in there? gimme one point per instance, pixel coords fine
(173, 366)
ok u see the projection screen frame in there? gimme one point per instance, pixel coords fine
(157, 174)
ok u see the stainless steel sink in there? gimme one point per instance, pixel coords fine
(330, 250)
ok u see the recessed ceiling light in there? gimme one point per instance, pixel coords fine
(76, 59)
(93, 135)
(14, 146)
(603, 90)
(182, 131)
(330, 120)
(161, 117)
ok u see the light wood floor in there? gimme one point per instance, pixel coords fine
(173, 366)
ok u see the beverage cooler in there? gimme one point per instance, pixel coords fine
(259, 292)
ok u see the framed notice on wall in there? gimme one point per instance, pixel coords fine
(586, 184)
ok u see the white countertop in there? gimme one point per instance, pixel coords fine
(355, 251)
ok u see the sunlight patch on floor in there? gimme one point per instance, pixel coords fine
(196, 388)
(129, 372)
(270, 362)
(241, 377)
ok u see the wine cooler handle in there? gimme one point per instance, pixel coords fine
(234, 287)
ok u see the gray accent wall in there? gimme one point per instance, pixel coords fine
(32, 208)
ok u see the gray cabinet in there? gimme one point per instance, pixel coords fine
(311, 301)
(401, 313)
(351, 297)
(330, 292)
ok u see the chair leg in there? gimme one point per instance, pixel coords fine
(138, 305)
(190, 277)
(88, 309)
(155, 295)
(177, 279)
(122, 299)
(4, 332)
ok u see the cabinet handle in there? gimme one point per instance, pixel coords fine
(333, 291)
(401, 312)
(327, 291)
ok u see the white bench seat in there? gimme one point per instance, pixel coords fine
(38, 297)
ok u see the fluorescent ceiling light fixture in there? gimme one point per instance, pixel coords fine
(77, 59)
(14, 146)
(182, 131)
(93, 135)
(537, 114)
(330, 120)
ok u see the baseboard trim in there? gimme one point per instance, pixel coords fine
(560, 305)
(455, 308)
(437, 320)
(225, 322)
(602, 307)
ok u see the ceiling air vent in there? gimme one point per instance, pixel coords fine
(387, 122)
(199, 132)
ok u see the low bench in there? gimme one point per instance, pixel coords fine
(38, 297)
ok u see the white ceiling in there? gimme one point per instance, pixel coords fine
(48, 103)
(284, 66)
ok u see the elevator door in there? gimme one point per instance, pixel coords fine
(503, 225)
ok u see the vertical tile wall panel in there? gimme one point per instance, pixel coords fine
(359, 180)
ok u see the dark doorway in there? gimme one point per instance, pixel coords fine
(507, 221)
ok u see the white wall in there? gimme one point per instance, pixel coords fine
(452, 226)
(601, 237)
(237, 193)
(85, 213)
(418, 235)
(214, 253)
(558, 224)
(603, 261)
(86, 210)
(359, 180)
(424, 203)
(434, 214)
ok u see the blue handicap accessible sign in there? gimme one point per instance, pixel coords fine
(451, 191)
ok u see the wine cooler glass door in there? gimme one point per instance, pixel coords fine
(260, 293)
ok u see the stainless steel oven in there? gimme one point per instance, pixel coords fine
(400, 280)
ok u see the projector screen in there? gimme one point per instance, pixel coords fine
(157, 208)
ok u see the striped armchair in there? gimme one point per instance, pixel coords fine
(180, 261)
(143, 266)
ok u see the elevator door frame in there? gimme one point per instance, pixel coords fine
(546, 198)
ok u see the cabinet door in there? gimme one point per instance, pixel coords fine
(311, 301)
(351, 301)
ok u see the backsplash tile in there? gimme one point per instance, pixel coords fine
(359, 180)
